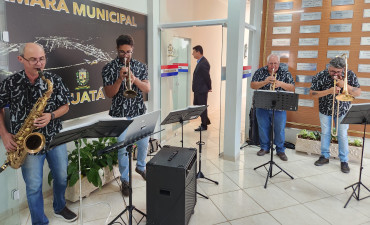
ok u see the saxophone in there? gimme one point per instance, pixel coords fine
(27, 140)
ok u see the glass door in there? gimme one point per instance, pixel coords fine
(175, 76)
(177, 66)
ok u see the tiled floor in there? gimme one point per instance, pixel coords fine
(316, 195)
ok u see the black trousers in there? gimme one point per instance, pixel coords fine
(201, 99)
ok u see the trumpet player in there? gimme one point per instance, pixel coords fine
(121, 76)
(272, 77)
(323, 88)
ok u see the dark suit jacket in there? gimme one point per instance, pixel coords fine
(201, 77)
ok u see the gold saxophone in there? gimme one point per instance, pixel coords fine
(27, 140)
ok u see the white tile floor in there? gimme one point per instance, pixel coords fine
(316, 195)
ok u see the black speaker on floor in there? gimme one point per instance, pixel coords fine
(171, 186)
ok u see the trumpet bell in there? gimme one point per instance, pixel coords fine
(130, 94)
(345, 98)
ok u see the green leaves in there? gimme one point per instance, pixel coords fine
(90, 161)
(316, 135)
(311, 135)
(94, 178)
(356, 142)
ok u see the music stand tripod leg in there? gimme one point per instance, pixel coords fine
(200, 173)
(271, 162)
(359, 183)
(130, 207)
(78, 144)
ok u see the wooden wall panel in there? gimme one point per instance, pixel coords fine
(307, 117)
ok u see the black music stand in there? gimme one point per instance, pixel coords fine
(182, 115)
(179, 116)
(140, 134)
(358, 114)
(103, 128)
(275, 100)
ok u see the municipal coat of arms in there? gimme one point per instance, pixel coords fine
(82, 78)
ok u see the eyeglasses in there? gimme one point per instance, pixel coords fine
(121, 52)
(335, 72)
(34, 61)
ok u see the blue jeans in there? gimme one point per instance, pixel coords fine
(264, 118)
(142, 148)
(32, 170)
(325, 122)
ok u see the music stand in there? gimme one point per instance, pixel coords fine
(275, 100)
(179, 116)
(186, 114)
(358, 114)
(111, 127)
(143, 131)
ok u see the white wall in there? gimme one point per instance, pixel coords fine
(139, 6)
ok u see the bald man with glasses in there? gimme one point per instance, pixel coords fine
(20, 92)
(263, 79)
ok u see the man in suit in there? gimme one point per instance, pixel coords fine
(201, 84)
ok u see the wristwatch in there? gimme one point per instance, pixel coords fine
(52, 115)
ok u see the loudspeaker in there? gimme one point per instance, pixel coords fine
(171, 186)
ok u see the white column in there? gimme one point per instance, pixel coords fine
(234, 71)
(154, 56)
(256, 10)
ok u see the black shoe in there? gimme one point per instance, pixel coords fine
(201, 128)
(344, 167)
(282, 156)
(322, 160)
(125, 188)
(262, 152)
(142, 173)
(66, 214)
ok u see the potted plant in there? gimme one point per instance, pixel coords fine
(309, 142)
(95, 170)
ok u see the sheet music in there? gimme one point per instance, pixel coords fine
(91, 122)
(276, 91)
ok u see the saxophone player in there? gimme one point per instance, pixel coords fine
(21, 91)
(280, 79)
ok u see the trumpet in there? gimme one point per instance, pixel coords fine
(344, 97)
(272, 87)
(129, 93)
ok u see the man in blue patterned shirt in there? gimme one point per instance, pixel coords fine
(115, 75)
(322, 87)
(263, 79)
(21, 91)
